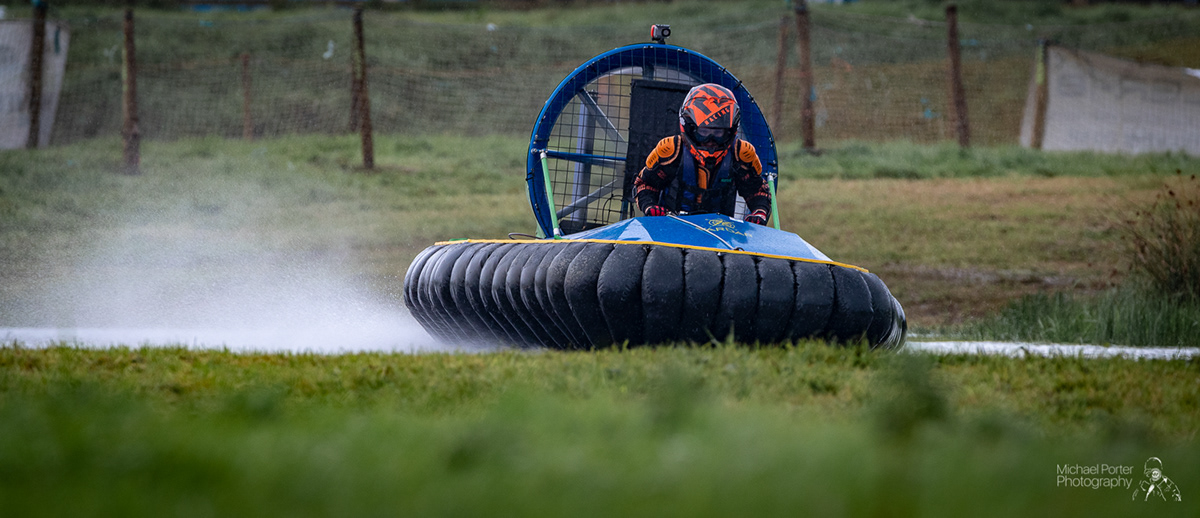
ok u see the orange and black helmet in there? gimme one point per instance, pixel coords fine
(708, 120)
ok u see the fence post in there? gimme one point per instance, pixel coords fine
(1042, 94)
(247, 121)
(958, 98)
(130, 132)
(364, 102)
(807, 124)
(780, 67)
(37, 48)
(355, 91)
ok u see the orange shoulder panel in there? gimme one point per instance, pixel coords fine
(747, 154)
(665, 152)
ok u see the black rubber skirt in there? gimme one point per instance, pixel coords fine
(568, 294)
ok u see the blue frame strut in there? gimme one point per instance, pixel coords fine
(584, 158)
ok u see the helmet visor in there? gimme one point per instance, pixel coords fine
(713, 137)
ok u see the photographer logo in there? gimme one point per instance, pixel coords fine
(1153, 486)
(1156, 486)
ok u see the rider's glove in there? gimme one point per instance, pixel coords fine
(655, 210)
(758, 217)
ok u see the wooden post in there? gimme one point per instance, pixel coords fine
(355, 91)
(37, 48)
(807, 118)
(130, 131)
(958, 98)
(364, 102)
(780, 67)
(247, 120)
(1042, 94)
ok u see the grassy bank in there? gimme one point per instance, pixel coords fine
(957, 237)
(662, 432)
(1155, 305)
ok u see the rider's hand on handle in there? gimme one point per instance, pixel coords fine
(758, 217)
(656, 210)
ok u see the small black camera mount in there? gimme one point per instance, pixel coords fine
(659, 33)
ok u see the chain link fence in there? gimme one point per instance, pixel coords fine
(875, 78)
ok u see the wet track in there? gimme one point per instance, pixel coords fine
(406, 337)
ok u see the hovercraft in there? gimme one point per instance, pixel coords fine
(601, 276)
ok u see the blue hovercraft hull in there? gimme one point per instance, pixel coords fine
(649, 280)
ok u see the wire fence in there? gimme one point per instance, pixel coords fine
(875, 78)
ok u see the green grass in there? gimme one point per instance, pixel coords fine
(207, 214)
(673, 431)
(1124, 316)
(1164, 240)
(646, 432)
(855, 159)
(1156, 305)
(972, 230)
(309, 189)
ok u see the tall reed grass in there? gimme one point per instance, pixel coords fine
(1163, 240)
(1157, 305)
(1128, 315)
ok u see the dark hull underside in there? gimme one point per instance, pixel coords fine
(571, 294)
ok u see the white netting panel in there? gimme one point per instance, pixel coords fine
(1099, 103)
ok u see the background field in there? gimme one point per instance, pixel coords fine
(288, 232)
(955, 234)
(879, 66)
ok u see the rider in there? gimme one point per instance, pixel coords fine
(716, 164)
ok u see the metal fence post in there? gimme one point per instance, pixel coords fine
(958, 98)
(803, 42)
(247, 120)
(130, 131)
(364, 101)
(37, 48)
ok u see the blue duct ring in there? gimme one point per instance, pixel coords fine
(660, 56)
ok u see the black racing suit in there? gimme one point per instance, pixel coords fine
(674, 180)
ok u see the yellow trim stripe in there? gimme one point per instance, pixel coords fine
(673, 245)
